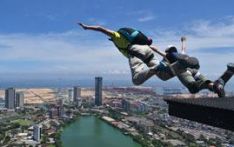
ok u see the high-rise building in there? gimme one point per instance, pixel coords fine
(19, 99)
(126, 105)
(54, 113)
(61, 102)
(60, 112)
(10, 98)
(37, 132)
(70, 94)
(98, 91)
(76, 95)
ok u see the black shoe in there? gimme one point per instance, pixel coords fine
(219, 88)
(230, 67)
(188, 62)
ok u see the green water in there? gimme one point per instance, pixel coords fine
(90, 131)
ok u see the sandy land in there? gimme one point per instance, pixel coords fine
(47, 95)
(87, 92)
(90, 93)
(35, 96)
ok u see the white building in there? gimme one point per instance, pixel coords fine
(37, 133)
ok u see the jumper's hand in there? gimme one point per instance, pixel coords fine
(83, 25)
(183, 45)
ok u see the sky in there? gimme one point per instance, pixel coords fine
(42, 39)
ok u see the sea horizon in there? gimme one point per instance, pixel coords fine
(90, 83)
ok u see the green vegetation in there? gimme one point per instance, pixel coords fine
(180, 135)
(115, 114)
(58, 142)
(7, 139)
(44, 138)
(141, 140)
(23, 122)
(8, 127)
(2, 136)
(51, 145)
(157, 143)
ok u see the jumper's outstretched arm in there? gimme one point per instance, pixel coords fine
(183, 44)
(155, 49)
(101, 29)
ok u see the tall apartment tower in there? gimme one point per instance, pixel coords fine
(10, 98)
(70, 94)
(76, 94)
(98, 91)
(37, 133)
(19, 99)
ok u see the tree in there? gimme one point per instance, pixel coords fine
(157, 143)
(7, 139)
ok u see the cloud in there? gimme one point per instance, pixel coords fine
(142, 15)
(79, 51)
(210, 41)
(201, 34)
(59, 52)
(146, 18)
(205, 28)
(48, 47)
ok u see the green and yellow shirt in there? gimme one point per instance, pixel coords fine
(120, 42)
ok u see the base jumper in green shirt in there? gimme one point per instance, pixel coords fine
(140, 55)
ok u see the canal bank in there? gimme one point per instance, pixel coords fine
(90, 131)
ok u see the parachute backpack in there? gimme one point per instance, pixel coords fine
(135, 36)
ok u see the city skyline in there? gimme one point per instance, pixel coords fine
(135, 111)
